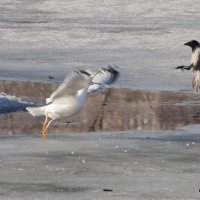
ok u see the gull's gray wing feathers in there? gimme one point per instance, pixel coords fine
(77, 80)
(103, 77)
(106, 75)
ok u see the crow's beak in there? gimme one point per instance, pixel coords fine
(187, 44)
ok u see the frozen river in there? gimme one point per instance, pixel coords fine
(40, 38)
(140, 143)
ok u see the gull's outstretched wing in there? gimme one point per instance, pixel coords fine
(77, 80)
(106, 75)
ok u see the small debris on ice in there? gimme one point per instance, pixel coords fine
(107, 190)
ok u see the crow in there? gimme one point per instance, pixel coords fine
(195, 64)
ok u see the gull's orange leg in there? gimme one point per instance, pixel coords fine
(44, 131)
(44, 127)
(44, 134)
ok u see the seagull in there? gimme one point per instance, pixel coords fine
(68, 100)
(103, 78)
(195, 64)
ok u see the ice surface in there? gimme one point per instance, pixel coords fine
(157, 165)
(42, 38)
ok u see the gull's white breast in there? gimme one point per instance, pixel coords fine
(67, 106)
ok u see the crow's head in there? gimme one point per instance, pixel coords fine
(193, 44)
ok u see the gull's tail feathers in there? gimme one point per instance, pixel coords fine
(36, 111)
(196, 82)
